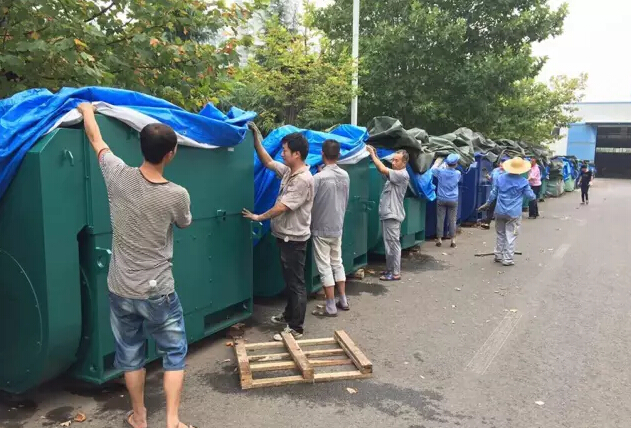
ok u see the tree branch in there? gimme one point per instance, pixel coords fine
(101, 12)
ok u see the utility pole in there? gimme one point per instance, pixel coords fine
(355, 60)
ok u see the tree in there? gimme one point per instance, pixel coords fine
(292, 78)
(150, 46)
(534, 109)
(442, 64)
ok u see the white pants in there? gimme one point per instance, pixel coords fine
(328, 258)
(507, 230)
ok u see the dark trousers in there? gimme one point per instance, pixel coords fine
(533, 206)
(292, 260)
(490, 212)
(584, 193)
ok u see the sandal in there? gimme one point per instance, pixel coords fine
(344, 308)
(390, 277)
(320, 311)
(128, 417)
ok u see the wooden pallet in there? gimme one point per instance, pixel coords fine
(346, 353)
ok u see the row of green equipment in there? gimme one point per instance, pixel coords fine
(55, 248)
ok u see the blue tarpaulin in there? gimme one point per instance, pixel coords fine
(28, 115)
(422, 184)
(266, 183)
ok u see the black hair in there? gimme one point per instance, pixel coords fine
(296, 142)
(331, 150)
(156, 141)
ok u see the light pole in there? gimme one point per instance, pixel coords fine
(355, 54)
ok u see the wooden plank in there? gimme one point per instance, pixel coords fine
(298, 356)
(328, 377)
(286, 356)
(290, 365)
(362, 363)
(306, 342)
(315, 342)
(244, 365)
(319, 377)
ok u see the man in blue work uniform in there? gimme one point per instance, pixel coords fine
(499, 170)
(447, 196)
(509, 192)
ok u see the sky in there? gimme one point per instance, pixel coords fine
(596, 40)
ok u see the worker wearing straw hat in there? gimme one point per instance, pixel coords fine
(509, 192)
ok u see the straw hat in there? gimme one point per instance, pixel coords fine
(516, 165)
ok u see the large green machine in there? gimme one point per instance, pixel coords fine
(412, 228)
(55, 248)
(268, 279)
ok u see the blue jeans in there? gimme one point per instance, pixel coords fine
(133, 320)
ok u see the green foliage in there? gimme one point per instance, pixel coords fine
(442, 64)
(150, 46)
(534, 109)
(293, 79)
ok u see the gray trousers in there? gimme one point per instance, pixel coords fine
(449, 209)
(507, 230)
(391, 241)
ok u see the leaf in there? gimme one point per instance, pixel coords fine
(78, 43)
(351, 390)
(154, 42)
(80, 417)
(65, 424)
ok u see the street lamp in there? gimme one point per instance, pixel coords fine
(355, 54)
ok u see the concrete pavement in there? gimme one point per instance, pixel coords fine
(554, 330)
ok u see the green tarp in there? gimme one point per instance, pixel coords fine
(388, 132)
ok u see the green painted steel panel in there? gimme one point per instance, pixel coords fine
(268, 279)
(412, 228)
(59, 201)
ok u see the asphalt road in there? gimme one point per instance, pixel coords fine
(545, 343)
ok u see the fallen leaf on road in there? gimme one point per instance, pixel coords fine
(496, 291)
(65, 424)
(351, 390)
(229, 344)
(453, 306)
(444, 254)
(227, 360)
(397, 301)
(488, 320)
(457, 289)
(80, 417)
(513, 310)
(453, 322)
(422, 377)
(539, 403)
(406, 363)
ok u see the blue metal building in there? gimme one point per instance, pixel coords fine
(603, 136)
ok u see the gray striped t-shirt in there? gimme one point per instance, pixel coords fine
(143, 214)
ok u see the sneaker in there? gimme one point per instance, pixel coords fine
(279, 319)
(294, 333)
(587, 202)
(439, 243)
(453, 245)
(485, 226)
(508, 263)
(498, 260)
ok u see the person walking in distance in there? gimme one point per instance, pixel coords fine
(534, 179)
(447, 197)
(490, 212)
(585, 182)
(331, 189)
(391, 209)
(510, 191)
(291, 224)
(144, 206)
